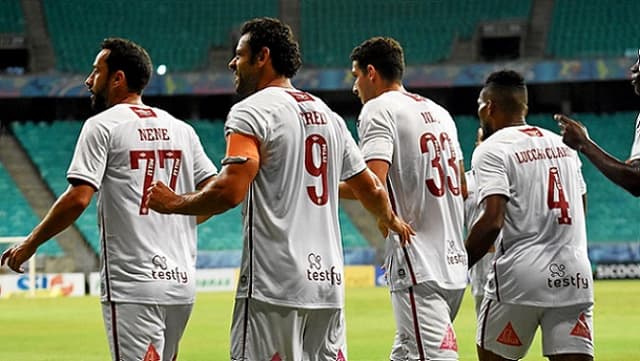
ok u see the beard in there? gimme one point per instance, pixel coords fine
(98, 102)
(486, 132)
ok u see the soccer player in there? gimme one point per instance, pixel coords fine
(472, 210)
(531, 188)
(411, 144)
(147, 260)
(286, 153)
(625, 174)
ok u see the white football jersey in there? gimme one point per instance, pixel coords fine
(419, 140)
(292, 245)
(635, 148)
(146, 257)
(541, 259)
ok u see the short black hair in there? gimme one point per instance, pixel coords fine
(278, 37)
(132, 59)
(508, 89)
(384, 53)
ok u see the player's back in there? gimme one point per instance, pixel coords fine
(542, 258)
(424, 185)
(291, 213)
(147, 257)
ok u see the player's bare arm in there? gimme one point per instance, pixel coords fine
(485, 231)
(379, 167)
(203, 218)
(62, 214)
(624, 174)
(226, 191)
(371, 193)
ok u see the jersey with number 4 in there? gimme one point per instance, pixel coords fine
(419, 140)
(541, 259)
(146, 257)
(292, 245)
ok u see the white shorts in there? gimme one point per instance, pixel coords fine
(144, 332)
(262, 331)
(508, 330)
(424, 323)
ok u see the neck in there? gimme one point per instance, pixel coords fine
(127, 98)
(392, 86)
(277, 81)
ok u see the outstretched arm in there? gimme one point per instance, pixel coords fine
(371, 192)
(224, 192)
(485, 231)
(62, 214)
(624, 174)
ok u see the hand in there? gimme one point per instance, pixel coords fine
(161, 198)
(397, 225)
(574, 134)
(15, 256)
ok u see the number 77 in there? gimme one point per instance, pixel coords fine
(136, 156)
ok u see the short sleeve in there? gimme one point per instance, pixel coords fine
(352, 161)
(635, 148)
(245, 121)
(90, 156)
(491, 173)
(376, 133)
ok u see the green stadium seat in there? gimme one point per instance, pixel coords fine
(17, 218)
(182, 44)
(11, 17)
(426, 29)
(592, 28)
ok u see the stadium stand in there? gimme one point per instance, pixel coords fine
(195, 27)
(426, 29)
(589, 28)
(11, 17)
(17, 216)
(52, 156)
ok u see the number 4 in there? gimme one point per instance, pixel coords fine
(561, 203)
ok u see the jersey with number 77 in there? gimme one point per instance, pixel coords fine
(541, 259)
(146, 257)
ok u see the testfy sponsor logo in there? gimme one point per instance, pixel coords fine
(161, 271)
(558, 278)
(317, 273)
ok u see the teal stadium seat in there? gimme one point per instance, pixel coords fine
(17, 218)
(176, 33)
(426, 29)
(52, 156)
(11, 17)
(591, 28)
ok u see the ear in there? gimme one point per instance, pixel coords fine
(263, 55)
(371, 72)
(119, 78)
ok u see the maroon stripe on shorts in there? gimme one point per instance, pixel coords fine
(483, 328)
(114, 331)
(416, 324)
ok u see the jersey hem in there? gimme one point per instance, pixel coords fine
(278, 302)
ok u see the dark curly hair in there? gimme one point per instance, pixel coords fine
(384, 53)
(132, 59)
(278, 37)
(508, 89)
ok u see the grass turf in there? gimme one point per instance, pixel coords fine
(70, 329)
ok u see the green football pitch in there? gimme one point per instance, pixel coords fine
(71, 329)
